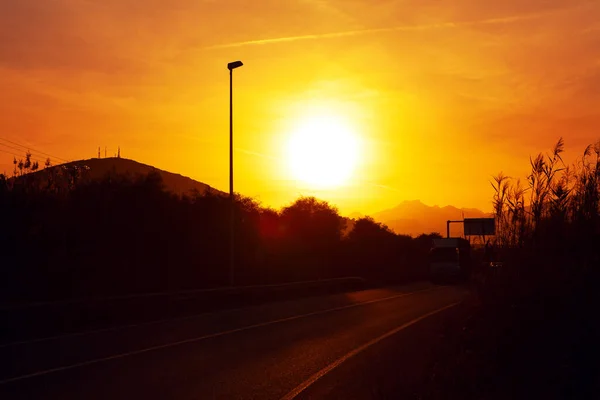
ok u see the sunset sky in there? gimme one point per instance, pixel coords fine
(438, 95)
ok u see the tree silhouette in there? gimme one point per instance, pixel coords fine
(312, 231)
(312, 222)
(27, 163)
(126, 234)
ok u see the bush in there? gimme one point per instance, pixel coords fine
(64, 236)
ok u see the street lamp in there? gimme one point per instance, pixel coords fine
(231, 66)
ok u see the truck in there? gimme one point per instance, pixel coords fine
(450, 260)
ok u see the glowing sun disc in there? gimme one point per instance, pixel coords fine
(323, 151)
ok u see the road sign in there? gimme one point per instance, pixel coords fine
(480, 226)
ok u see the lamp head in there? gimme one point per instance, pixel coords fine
(234, 64)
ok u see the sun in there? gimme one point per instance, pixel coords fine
(323, 151)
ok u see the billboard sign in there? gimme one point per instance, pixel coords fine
(480, 227)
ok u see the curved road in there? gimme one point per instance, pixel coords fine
(368, 344)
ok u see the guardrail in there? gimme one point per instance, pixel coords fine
(51, 318)
(224, 289)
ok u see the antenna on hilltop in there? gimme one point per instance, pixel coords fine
(119, 152)
(98, 151)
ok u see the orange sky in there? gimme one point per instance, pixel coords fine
(442, 94)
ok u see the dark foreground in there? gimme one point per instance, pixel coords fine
(536, 346)
(412, 342)
(370, 344)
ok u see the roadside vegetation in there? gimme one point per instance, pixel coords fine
(64, 235)
(549, 226)
(532, 330)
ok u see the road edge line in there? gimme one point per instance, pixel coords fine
(307, 383)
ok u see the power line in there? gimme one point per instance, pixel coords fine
(32, 149)
(9, 152)
(41, 162)
(52, 159)
(29, 148)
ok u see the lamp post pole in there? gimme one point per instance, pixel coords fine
(231, 66)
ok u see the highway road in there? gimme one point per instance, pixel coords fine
(368, 344)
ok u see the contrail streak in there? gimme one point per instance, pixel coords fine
(255, 153)
(384, 187)
(403, 28)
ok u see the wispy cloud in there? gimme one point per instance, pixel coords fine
(255, 153)
(402, 28)
(386, 187)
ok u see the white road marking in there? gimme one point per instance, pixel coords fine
(197, 339)
(304, 385)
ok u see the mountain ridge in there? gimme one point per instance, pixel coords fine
(413, 217)
(98, 168)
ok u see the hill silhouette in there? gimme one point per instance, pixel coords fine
(414, 218)
(98, 168)
(407, 218)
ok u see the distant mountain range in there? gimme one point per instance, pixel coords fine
(414, 217)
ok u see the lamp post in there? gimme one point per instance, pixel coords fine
(231, 66)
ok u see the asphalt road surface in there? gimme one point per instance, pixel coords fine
(368, 344)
